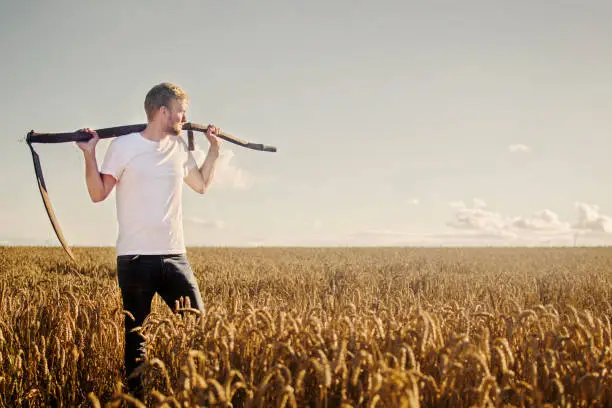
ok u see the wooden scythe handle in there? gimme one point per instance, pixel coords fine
(117, 131)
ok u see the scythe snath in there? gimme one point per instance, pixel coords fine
(105, 133)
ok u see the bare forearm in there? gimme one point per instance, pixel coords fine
(95, 186)
(207, 170)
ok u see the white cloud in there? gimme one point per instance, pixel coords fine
(519, 148)
(472, 226)
(479, 219)
(477, 222)
(478, 225)
(227, 173)
(590, 219)
(486, 223)
(414, 201)
(543, 220)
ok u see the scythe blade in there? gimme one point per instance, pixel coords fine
(45, 196)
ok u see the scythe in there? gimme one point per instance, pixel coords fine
(104, 133)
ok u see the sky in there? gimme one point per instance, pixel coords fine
(428, 123)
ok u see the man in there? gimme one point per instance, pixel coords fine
(149, 169)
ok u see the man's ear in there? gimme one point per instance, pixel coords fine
(162, 111)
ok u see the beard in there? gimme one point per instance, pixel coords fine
(175, 129)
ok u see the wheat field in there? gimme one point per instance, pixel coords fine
(306, 327)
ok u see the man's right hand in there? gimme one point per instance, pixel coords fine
(90, 145)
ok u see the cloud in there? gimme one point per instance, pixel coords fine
(472, 226)
(542, 226)
(227, 172)
(208, 224)
(488, 223)
(479, 222)
(590, 219)
(543, 220)
(414, 201)
(519, 148)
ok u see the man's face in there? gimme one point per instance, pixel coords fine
(176, 116)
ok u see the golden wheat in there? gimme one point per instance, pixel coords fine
(297, 327)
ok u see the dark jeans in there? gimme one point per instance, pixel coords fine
(140, 277)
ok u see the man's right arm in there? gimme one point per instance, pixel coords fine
(99, 185)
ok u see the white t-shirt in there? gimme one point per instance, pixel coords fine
(149, 190)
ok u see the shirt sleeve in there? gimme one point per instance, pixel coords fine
(114, 161)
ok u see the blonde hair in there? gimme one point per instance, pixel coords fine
(161, 95)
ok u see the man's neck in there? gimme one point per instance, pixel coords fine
(154, 132)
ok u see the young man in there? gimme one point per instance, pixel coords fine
(149, 169)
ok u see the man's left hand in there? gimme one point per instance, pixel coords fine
(211, 134)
